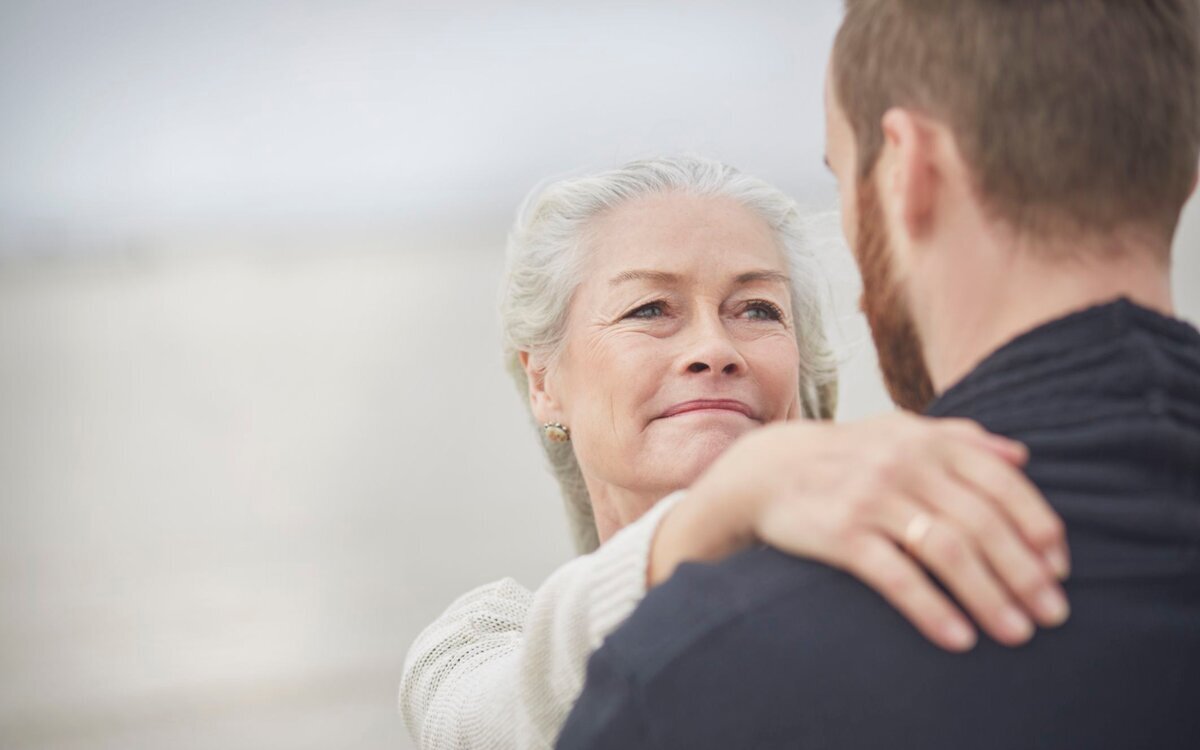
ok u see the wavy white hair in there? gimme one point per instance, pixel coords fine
(545, 258)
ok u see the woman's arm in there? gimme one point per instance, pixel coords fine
(888, 499)
(502, 666)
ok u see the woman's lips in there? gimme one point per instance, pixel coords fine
(706, 405)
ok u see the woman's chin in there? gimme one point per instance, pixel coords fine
(693, 451)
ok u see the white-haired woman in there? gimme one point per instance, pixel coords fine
(653, 315)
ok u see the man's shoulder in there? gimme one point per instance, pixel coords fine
(739, 654)
(767, 650)
(702, 601)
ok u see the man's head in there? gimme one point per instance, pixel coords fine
(1041, 126)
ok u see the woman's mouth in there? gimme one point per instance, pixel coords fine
(729, 405)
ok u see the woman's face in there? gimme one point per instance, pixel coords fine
(678, 341)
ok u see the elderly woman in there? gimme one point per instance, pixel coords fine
(653, 315)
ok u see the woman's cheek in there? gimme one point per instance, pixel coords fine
(638, 354)
(778, 366)
(621, 371)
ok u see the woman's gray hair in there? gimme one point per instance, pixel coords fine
(544, 264)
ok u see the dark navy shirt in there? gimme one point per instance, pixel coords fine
(767, 651)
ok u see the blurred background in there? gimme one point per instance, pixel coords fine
(254, 429)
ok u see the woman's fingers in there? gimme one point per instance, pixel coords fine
(1015, 497)
(878, 563)
(1012, 451)
(959, 562)
(1018, 567)
(902, 498)
(960, 566)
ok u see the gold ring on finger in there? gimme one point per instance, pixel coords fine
(916, 531)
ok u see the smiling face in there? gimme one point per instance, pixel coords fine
(678, 341)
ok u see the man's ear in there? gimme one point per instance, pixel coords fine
(541, 400)
(912, 178)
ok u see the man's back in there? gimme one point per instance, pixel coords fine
(768, 651)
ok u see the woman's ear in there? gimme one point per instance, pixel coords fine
(541, 400)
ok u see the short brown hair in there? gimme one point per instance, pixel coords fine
(1072, 114)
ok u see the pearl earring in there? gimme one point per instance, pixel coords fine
(556, 433)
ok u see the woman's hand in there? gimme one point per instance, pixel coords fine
(882, 499)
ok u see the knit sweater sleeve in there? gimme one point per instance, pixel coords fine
(502, 666)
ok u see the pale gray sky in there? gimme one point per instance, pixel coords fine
(129, 118)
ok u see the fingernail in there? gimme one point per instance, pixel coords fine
(1016, 625)
(959, 635)
(1052, 607)
(1018, 446)
(1058, 562)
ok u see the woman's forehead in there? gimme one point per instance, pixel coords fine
(682, 234)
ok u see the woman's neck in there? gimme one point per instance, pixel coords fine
(616, 507)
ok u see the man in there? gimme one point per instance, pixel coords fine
(1011, 175)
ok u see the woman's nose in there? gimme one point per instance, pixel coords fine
(713, 351)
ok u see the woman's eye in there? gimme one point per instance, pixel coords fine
(647, 311)
(763, 310)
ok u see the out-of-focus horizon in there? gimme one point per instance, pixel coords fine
(255, 430)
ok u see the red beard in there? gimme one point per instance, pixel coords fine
(896, 338)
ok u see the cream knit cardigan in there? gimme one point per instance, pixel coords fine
(501, 668)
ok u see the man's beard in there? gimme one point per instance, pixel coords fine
(896, 338)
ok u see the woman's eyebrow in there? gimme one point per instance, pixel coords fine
(752, 276)
(661, 277)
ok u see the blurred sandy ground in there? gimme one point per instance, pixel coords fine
(240, 471)
(235, 487)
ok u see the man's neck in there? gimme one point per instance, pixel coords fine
(1025, 292)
